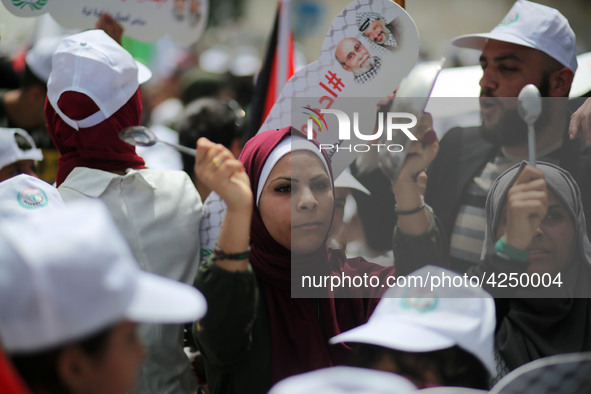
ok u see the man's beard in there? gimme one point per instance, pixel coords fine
(511, 129)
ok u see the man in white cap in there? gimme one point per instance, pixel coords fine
(71, 296)
(533, 44)
(433, 332)
(18, 153)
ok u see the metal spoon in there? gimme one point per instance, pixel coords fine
(412, 96)
(529, 106)
(142, 136)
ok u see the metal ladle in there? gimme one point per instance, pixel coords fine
(142, 136)
(529, 106)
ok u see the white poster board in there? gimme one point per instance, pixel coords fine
(327, 84)
(143, 20)
(370, 47)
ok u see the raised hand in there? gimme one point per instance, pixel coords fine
(527, 203)
(419, 154)
(580, 123)
(410, 185)
(221, 172)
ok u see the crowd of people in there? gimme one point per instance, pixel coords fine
(105, 288)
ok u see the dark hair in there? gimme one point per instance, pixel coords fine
(39, 370)
(549, 66)
(204, 85)
(28, 79)
(217, 120)
(453, 366)
(22, 143)
(10, 78)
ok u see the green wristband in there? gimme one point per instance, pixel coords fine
(221, 255)
(504, 249)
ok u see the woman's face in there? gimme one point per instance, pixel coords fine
(296, 203)
(550, 248)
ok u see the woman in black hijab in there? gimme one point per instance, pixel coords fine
(535, 228)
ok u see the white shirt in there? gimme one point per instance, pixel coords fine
(158, 213)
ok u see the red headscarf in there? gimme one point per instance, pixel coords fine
(301, 327)
(98, 146)
(10, 381)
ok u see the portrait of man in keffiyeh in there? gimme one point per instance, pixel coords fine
(375, 30)
(354, 57)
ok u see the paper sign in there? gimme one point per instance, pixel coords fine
(27, 8)
(325, 83)
(143, 20)
(368, 50)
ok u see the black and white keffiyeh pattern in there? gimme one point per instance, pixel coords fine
(369, 75)
(364, 20)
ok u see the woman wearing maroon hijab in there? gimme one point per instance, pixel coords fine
(255, 333)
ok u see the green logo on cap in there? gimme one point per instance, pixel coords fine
(31, 198)
(510, 18)
(420, 299)
(33, 5)
(420, 304)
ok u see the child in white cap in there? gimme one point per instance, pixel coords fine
(18, 153)
(440, 336)
(71, 295)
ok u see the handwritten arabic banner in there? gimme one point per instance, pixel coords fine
(369, 48)
(143, 20)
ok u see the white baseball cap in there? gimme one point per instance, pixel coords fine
(341, 380)
(94, 64)
(418, 319)
(68, 274)
(532, 25)
(39, 56)
(16, 145)
(27, 195)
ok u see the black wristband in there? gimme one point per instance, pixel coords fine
(411, 211)
(219, 254)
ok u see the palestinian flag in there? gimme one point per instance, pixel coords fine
(277, 69)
